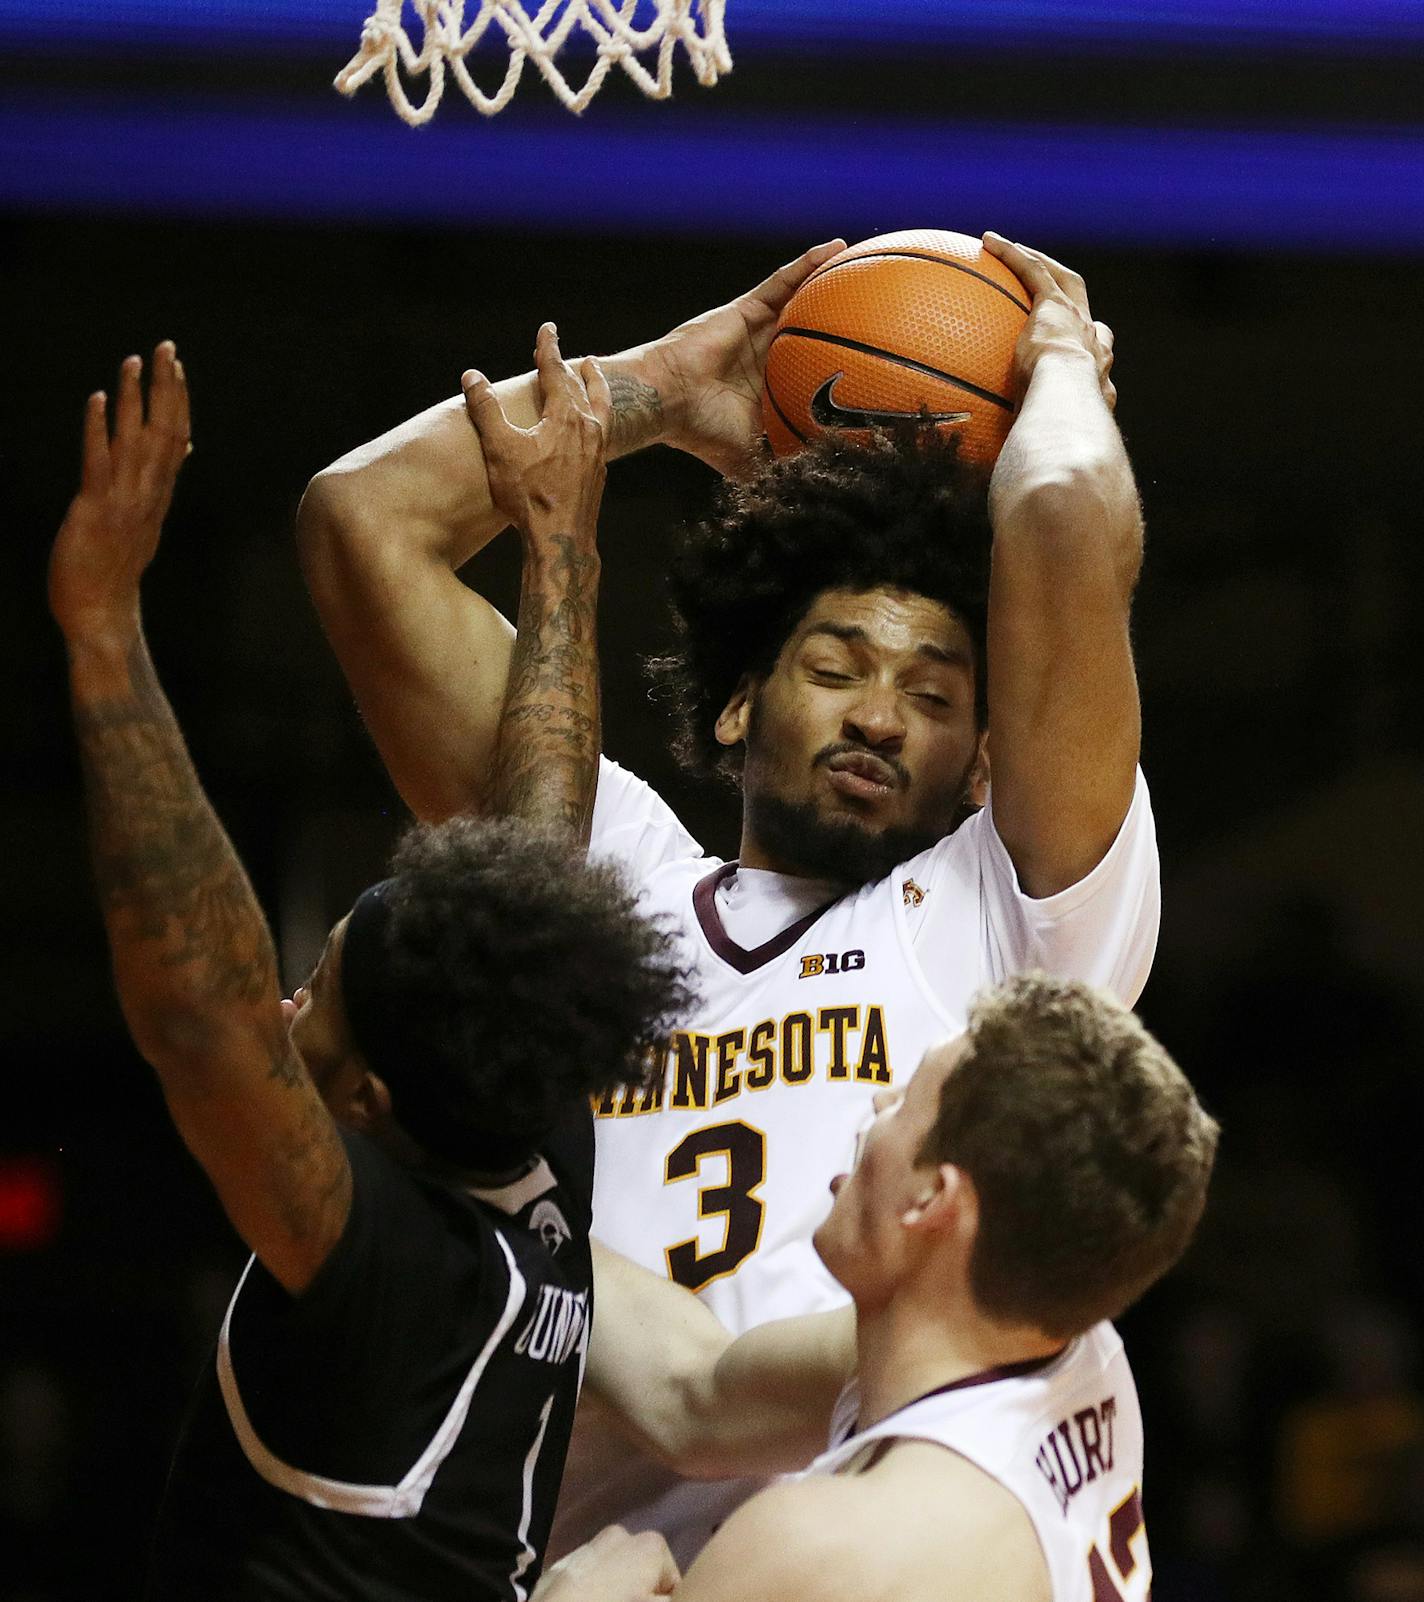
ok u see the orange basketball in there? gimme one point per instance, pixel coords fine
(919, 320)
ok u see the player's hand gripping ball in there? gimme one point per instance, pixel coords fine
(900, 325)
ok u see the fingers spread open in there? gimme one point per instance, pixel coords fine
(128, 409)
(94, 476)
(166, 421)
(775, 291)
(1068, 281)
(1039, 274)
(184, 429)
(1026, 265)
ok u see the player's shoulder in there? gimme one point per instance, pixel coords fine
(632, 824)
(922, 1522)
(807, 1538)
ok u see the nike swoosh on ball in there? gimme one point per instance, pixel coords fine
(827, 414)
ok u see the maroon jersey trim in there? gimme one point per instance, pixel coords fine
(704, 904)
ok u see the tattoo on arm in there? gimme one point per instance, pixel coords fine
(184, 925)
(546, 758)
(637, 412)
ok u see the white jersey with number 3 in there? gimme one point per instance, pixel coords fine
(1065, 1439)
(807, 1007)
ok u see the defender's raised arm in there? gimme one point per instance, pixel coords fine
(548, 481)
(193, 959)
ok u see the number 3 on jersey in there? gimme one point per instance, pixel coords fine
(743, 1149)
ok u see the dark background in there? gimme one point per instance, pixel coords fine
(1270, 401)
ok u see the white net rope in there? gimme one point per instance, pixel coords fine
(446, 39)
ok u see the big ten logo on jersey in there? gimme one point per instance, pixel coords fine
(844, 1045)
(815, 963)
(556, 1327)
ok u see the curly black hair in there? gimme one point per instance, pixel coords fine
(516, 978)
(901, 511)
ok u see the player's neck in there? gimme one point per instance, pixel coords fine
(751, 855)
(907, 1352)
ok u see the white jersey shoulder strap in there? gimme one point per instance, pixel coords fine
(1064, 1437)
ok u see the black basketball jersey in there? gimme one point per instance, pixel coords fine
(397, 1432)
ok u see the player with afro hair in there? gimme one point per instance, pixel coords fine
(902, 512)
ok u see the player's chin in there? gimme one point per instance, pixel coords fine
(824, 1240)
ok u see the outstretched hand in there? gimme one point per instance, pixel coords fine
(547, 479)
(1060, 320)
(111, 529)
(709, 370)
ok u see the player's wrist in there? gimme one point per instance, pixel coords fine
(647, 399)
(1067, 356)
(99, 632)
(101, 656)
(550, 539)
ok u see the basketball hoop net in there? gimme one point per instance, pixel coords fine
(535, 35)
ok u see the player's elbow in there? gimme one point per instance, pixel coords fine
(680, 1432)
(680, 1423)
(331, 523)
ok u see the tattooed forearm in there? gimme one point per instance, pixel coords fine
(546, 757)
(637, 412)
(186, 931)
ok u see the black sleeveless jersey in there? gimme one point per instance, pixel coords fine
(397, 1432)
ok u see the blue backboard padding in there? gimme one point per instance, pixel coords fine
(1341, 189)
(335, 24)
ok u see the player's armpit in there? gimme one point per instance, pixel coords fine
(270, 1148)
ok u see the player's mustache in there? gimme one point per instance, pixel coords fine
(853, 747)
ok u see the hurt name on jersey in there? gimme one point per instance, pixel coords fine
(845, 1044)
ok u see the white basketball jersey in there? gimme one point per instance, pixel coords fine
(720, 1177)
(1065, 1439)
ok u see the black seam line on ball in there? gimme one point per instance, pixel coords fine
(920, 255)
(902, 361)
(790, 426)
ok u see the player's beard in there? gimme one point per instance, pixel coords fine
(800, 836)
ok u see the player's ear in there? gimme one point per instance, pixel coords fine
(369, 1107)
(734, 718)
(945, 1203)
(979, 772)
